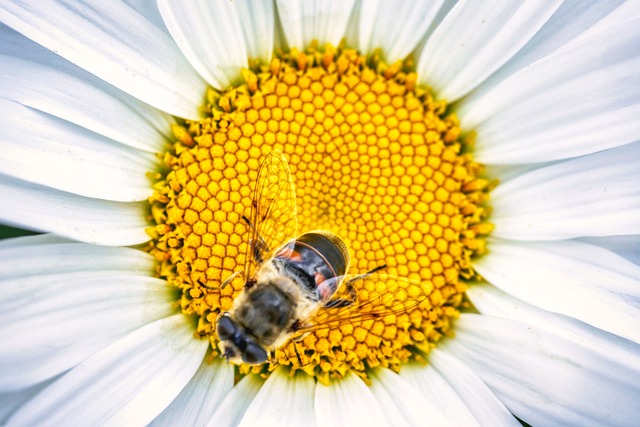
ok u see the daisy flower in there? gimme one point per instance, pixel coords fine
(486, 152)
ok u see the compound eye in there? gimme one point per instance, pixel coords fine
(254, 354)
(225, 328)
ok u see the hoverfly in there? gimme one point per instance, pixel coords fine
(291, 280)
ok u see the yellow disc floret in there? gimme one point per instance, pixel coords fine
(374, 158)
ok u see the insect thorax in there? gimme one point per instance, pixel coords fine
(267, 310)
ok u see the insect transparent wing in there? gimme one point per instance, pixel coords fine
(377, 296)
(273, 219)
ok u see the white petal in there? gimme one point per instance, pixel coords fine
(35, 241)
(402, 402)
(348, 402)
(458, 391)
(115, 43)
(507, 172)
(572, 21)
(543, 112)
(30, 256)
(11, 401)
(129, 382)
(148, 9)
(79, 97)
(197, 402)
(218, 37)
(45, 150)
(321, 20)
(621, 12)
(491, 301)
(486, 408)
(396, 26)
(282, 401)
(440, 393)
(258, 26)
(70, 306)
(544, 379)
(475, 39)
(569, 277)
(233, 407)
(39, 208)
(625, 246)
(596, 195)
(16, 45)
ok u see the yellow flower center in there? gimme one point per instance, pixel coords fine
(374, 158)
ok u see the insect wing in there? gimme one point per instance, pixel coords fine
(377, 296)
(273, 218)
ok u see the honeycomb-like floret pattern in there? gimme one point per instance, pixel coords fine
(374, 159)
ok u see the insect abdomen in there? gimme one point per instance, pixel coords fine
(316, 258)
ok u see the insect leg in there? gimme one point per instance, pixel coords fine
(343, 302)
(349, 283)
(339, 302)
(295, 348)
(203, 284)
(230, 279)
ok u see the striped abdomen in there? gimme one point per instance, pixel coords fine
(317, 260)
